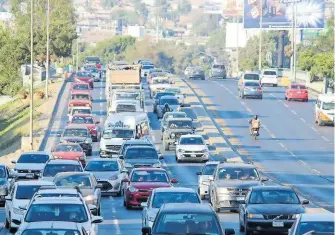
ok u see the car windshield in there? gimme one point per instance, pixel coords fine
(50, 232)
(164, 101)
(26, 192)
(33, 158)
(175, 91)
(191, 141)
(118, 133)
(127, 96)
(172, 124)
(232, 173)
(149, 176)
(128, 145)
(175, 115)
(174, 197)
(187, 223)
(2, 173)
(218, 66)
(102, 166)
(68, 148)
(58, 194)
(82, 120)
(319, 227)
(160, 81)
(209, 169)
(75, 133)
(125, 108)
(141, 153)
(328, 106)
(251, 77)
(84, 74)
(81, 111)
(51, 170)
(80, 97)
(298, 87)
(161, 94)
(161, 74)
(57, 212)
(252, 84)
(270, 73)
(148, 66)
(82, 181)
(81, 87)
(265, 196)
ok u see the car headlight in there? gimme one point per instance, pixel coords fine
(132, 189)
(57, 157)
(204, 151)
(295, 216)
(90, 199)
(151, 218)
(205, 182)
(115, 177)
(172, 135)
(88, 141)
(158, 165)
(255, 216)
(181, 150)
(18, 211)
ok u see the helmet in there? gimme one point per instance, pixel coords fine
(256, 117)
(166, 105)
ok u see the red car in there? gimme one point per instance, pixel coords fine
(80, 86)
(84, 77)
(88, 121)
(138, 187)
(80, 98)
(296, 92)
(69, 151)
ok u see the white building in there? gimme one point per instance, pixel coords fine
(136, 31)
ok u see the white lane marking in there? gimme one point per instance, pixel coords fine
(325, 138)
(302, 162)
(100, 104)
(282, 145)
(243, 103)
(314, 129)
(273, 136)
(294, 112)
(249, 110)
(286, 105)
(302, 120)
(117, 226)
(316, 172)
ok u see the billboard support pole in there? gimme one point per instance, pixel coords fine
(295, 43)
(237, 46)
(260, 39)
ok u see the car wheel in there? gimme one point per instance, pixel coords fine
(275, 85)
(99, 211)
(6, 223)
(261, 97)
(118, 194)
(165, 146)
(246, 230)
(89, 153)
(11, 229)
(241, 227)
(306, 100)
(285, 97)
(242, 96)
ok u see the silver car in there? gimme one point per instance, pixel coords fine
(172, 101)
(203, 177)
(162, 196)
(218, 71)
(251, 89)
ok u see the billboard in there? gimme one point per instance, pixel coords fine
(278, 14)
(232, 7)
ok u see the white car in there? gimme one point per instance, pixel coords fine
(192, 148)
(269, 77)
(159, 84)
(62, 209)
(18, 199)
(319, 223)
(145, 69)
(79, 110)
(177, 93)
(162, 196)
(203, 177)
(30, 164)
(109, 172)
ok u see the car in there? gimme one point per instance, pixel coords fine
(172, 101)
(155, 74)
(69, 151)
(136, 142)
(85, 78)
(95, 73)
(87, 184)
(52, 227)
(7, 179)
(218, 71)
(53, 167)
(155, 70)
(324, 109)
(162, 196)
(177, 93)
(249, 77)
(169, 115)
(313, 223)
(157, 97)
(230, 183)
(80, 86)
(296, 92)
(158, 84)
(80, 98)
(78, 134)
(187, 71)
(30, 164)
(141, 156)
(251, 89)
(186, 218)
(175, 128)
(109, 172)
(269, 77)
(61, 209)
(192, 148)
(145, 69)
(196, 72)
(18, 199)
(270, 209)
(79, 110)
(138, 187)
(89, 121)
(203, 177)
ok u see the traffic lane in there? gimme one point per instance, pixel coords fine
(265, 152)
(301, 141)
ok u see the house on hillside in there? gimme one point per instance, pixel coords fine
(197, 4)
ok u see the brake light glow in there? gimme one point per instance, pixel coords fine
(259, 88)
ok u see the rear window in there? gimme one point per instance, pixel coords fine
(218, 66)
(147, 66)
(33, 158)
(298, 87)
(270, 73)
(251, 77)
(209, 169)
(251, 84)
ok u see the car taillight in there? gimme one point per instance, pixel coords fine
(259, 88)
(70, 105)
(246, 88)
(87, 105)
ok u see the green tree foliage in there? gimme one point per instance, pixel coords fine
(184, 7)
(130, 17)
(205, 25)
(109, 3)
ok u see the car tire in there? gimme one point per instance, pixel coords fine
(6, 224)
(89, 153)
(99, 211)
(261, 97)
(285, 97)
(246, 230)
(306, 100)
(275, 85)
(241, 227)
(118, 194)
(11, 229)
(242, 96)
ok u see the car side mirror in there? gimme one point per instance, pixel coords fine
(174, 181)
(121, 157)
(13, 161)
(125, 180)
(263, 179)
(211, 178)
(229, 231)
(97, 220)
(305, 202)
(8, 198)
(92, 208)
(99, 185)
(199, 173)
(144, 204)
(160, 157)
(146, 231)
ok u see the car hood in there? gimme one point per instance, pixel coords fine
(276, 209)
(237, 183)
(50, 179)
(21, 203)
(186, 131)
(67, 155)
(29, 166)
(80, 102)
(141, 161)
(113, 141)
(150, 185)
(156, 86)
(84, 191)
(192, 147)
(74, 138)
(104, 175)
(172, 107)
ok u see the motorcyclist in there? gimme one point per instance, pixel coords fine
(255, 124)
(166, 108)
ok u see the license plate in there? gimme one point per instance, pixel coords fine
(277, 224)
(30, 176)
(193, 155)
(240, 198)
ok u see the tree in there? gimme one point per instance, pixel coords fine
(216, 43)
(184, 7)
(205, 25)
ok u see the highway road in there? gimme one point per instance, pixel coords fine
(228, 112)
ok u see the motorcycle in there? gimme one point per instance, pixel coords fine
(254, 132)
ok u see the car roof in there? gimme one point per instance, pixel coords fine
(34, 182)
(186, 208)
(76, 83)
(84, 92)
(73, 173)
(274, 188)
(68, 143)
(233, 164)
(180, 119)
(36, 153)
(103, 160)
(57, 200)
(168, 97)
(251, 73)
(297, 84)
(141, 147)
(212, 163)
(52, 224)
(317, 217)
(80, 107)
(138, 142)
(63, 162)
(76, 126)
(57, 190)
(175, 189)
(83, 115)
(149, 169)
(191, 136)
(173, 113)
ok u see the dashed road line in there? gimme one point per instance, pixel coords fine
(302, 120)
(286, 105)
(282, 145)
(294, 112)
(325, 138)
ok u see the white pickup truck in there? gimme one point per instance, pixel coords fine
(269, 77)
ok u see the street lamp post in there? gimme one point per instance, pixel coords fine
(295, 42)
(237, 45)
(77, 60)
(31, 74)
(48, 53)
(260, 39)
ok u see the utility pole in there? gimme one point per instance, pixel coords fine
(31, 74)
(48, 54)
(237, 45)
(295, 42)
(77, 60)
(260, 39)
(157, 4)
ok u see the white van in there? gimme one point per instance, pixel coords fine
(269, 77)
(121, 106)
(324, 109)
(120, 127)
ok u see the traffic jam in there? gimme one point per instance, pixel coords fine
(63, 189)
